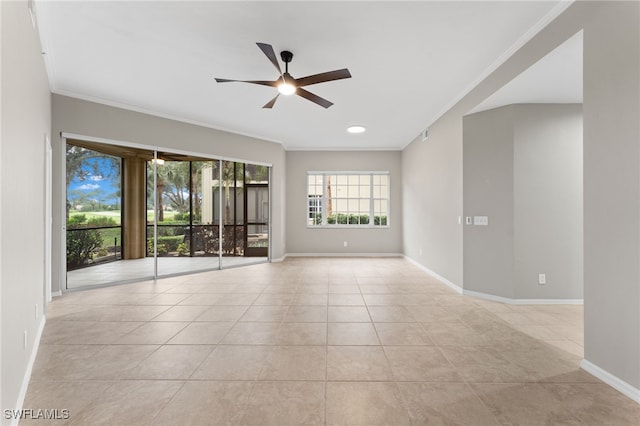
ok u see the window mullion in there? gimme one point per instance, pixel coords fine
(323, 205)
(371, 202)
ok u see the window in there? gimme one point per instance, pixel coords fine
(348, 199)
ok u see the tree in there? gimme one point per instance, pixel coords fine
(175, 186)
(231, 172)
(83, 163)
(329, 198)
(172, 178)
(175, 179)
(257, 174)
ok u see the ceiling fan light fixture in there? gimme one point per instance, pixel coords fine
(356, 129)
(286, 84)
(286, 89)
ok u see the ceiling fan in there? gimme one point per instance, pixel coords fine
(286, 84)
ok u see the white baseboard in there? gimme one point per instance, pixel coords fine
(56, 293)
(342, 255)
(27, 373)
(461, 290)
(445, 281)
(613, 381)
(523, 301)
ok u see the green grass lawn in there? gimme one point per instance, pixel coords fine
(168, 215)
(115, 215)
(113, 236)
(108, 236)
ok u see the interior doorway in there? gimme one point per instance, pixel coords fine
(523, 172)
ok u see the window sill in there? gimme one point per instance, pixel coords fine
(348, 226)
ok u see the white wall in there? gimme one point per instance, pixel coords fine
(26, 119)
(1, 206)
(523, 169)
(85, 118)
(611, 177)
(304, 240)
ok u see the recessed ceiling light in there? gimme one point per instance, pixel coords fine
(356, 129)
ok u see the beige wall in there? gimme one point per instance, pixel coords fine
(612, 189)
(302, 240)
(523, 169)
(25, 120)
(548, 201)
(84, 118)
(432, 199)
(488, 191)
(611, 177)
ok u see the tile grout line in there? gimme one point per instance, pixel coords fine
(398, 296)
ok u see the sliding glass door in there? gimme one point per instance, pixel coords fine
(94, 213)
(166, 213)
(257, 210)
(203, 221)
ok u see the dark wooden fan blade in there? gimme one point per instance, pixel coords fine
(271, 102)
(260, 82)
(313, 98)
(322, 77)
(267, 49)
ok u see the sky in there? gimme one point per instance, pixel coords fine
(100, 183)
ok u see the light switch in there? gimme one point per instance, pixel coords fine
(467, 220)
(481, 220)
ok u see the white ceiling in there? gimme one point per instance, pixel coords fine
(556, 78)
(410, 61)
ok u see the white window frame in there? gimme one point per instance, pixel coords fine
(323, 198)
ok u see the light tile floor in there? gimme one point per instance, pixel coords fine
(314, 341)
(136, 269)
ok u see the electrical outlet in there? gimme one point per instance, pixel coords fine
(542, 279)
(24, 340)
(468, 220)
(345, 243)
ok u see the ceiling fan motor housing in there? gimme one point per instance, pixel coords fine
(286, 56)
